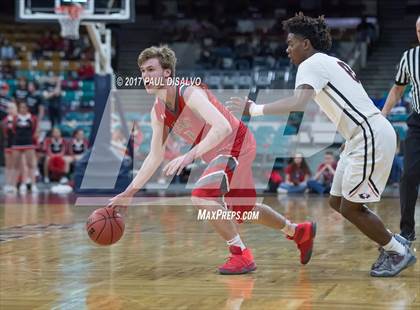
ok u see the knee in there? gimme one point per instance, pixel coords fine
(335, 203)
(350, 212)
(30, 164)
(345, 211)
(198, 201)
(17, 163)
(311, 183)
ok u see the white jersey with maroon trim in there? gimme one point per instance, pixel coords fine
(339, 93)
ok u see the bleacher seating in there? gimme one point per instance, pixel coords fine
(35, 65)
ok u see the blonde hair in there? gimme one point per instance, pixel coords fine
(163, 53)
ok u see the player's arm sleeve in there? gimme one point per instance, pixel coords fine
(312, 74)
(401, 78)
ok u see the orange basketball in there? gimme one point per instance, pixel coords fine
(105, 226)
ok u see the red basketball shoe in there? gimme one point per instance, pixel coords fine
(239, 261)
(304, 238)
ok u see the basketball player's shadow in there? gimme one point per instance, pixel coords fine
(239, 288)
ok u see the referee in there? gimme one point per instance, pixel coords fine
(409, 72)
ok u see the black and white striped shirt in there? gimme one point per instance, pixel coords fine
(409, 71)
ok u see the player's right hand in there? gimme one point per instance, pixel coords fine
(239, 105)
(120, 202)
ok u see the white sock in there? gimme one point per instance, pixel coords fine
(289, 228)
(395, 246)
(236, 241)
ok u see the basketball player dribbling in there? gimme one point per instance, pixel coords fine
(224, 143)
(366, 161)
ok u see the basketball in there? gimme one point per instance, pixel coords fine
(244, 138)
(105, 226)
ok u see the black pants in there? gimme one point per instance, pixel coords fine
(55, 115)
(409, 185)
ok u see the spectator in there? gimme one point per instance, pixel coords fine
(77, 147)
(24, 158)
(297, 174)
(7, 72)
(46, 42)
(52, 97)
(55, 161)
(7, 51)
(118, 140)
(34, 102)
(137, 136)
(86, 70)
(5, 100)
(78, 144)
(57, 42)
(365, 31)
(274, 180)
(8, 138)
(21, 92)
(322, 181)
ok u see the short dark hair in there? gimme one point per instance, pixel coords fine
(315, 30)
(329, 153)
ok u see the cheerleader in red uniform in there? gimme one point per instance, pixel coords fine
(55, 150)
(24, 144)
(8, 134)
(78, 145)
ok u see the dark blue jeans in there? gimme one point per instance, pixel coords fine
(294, 189)
(318, 187)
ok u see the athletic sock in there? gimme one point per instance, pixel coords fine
(394, 246)
(236, 241)
(289, 228)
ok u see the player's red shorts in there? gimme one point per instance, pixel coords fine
(229, 180)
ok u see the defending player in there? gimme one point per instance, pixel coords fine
(222, 141)
(365, 163)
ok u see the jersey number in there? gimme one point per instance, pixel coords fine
(348, 70)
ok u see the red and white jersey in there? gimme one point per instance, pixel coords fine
(193, 129)
(53, 146)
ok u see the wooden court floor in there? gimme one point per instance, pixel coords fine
(167, 260)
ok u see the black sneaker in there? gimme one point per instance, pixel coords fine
(394, 263)
(383, 254)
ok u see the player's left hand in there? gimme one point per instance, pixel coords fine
(176, 165)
